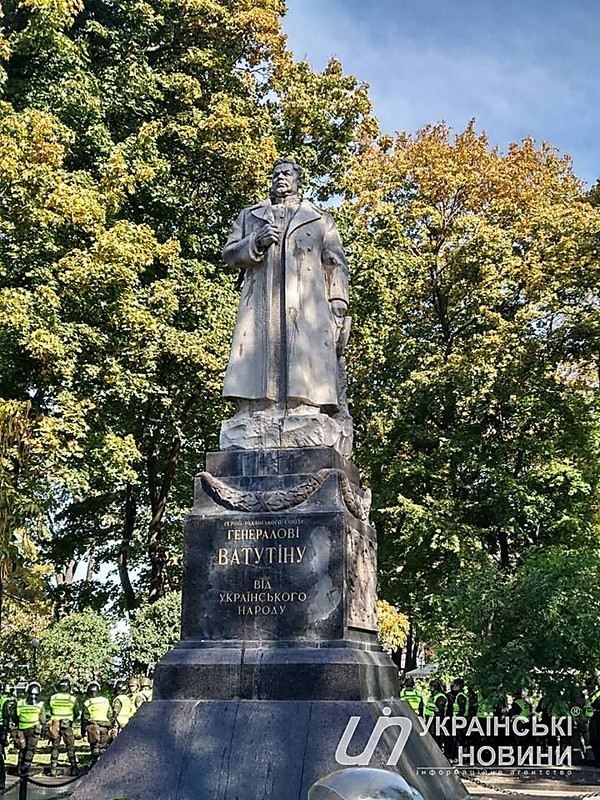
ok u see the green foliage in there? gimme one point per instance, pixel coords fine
(131, 135)
(20, 510)
(154, 630)
(535, 627)
(473, 361)
(82, 639)
(26, 615)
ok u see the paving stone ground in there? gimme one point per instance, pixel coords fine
(577, 782)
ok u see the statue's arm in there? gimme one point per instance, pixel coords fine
(334, 263)
(241, 249)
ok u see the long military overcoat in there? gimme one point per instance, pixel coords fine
(311, 260)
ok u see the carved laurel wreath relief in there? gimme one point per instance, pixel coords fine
(282, 499)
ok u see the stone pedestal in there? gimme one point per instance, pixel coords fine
(287, 429)
(279, 649)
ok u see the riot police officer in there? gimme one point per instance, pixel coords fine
(135, 695)
(436, 707)
(63, 713)
(458, 707)
(146, 688)
(30, 719)
(123, 707)
(410, 695)
(96, 720)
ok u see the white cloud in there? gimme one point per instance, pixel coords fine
(520, 68)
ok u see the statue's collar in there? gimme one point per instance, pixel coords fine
(288, 200)
(306, 213)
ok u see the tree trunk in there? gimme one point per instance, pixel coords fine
(124, 549)
(66, 578)
(89, 573)
(397, 657)
(157, 552)
(412, 648)
(503, 547)
(158, 499)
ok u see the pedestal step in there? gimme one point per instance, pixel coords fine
(275, 673)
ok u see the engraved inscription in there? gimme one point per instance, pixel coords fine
(261, 555)
(259, 596)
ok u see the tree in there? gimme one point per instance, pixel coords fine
(81, 639)
(392, 625)
(27, 614)
(534, 628)
(18, 504)
(132, 134)
(154, 629)
(593, 195)
(471, 369)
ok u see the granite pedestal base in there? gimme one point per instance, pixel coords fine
(279, 647)
(333, 671)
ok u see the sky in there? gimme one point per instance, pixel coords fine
(528, 68)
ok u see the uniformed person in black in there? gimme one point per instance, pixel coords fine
(593, 713)
(7, 712)
(436, 707)
(473, 701)
(458, 707)
(520, 707)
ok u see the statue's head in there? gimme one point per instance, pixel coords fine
(287, 178)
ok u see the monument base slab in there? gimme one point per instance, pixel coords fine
(255, 750)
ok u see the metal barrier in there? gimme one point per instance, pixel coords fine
(24, 780)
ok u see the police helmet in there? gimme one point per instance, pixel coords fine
(436, 685)
(145, 683)
(93, 689)
(120, 685)
(458, 682)
(34, 688)
(409, 682)
(362, 783)
(64, 685)
(133, 683)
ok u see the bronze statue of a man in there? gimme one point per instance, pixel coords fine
(291, 322)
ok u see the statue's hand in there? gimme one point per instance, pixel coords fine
(268, 235)
(338, 309)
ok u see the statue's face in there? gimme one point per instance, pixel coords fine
(285, 180)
